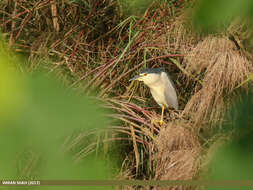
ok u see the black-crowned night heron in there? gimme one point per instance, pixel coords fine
(161, 86)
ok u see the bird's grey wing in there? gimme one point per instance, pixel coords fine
(173, 85)
(170, 91)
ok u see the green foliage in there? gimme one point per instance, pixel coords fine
(37, 114)
(216, 14)
(10, 85)
(233, 161)
(134, 7)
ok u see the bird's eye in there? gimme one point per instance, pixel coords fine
(145, 74)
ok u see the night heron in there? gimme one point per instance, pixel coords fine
(161, 86)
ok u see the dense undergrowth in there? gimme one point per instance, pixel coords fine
(95, 46)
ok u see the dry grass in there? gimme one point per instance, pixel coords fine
(223, 67)
(176, 154)
(178, 165)
(181, 34)
(177, 135)
(240, 31)
(178, 150)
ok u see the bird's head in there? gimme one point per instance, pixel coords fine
(148, 76)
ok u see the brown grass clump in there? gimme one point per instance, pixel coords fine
(223, 68)
(176, 136)
(176, 34)
(181, 37)
(178, 152)
(240, 31)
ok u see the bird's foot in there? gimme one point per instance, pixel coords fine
(161, 122)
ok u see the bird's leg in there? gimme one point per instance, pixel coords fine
(161, 120)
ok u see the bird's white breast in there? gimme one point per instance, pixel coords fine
(157, 92)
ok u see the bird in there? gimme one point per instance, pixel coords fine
(161, 87)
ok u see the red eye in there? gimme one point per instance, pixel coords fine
(145, 74)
